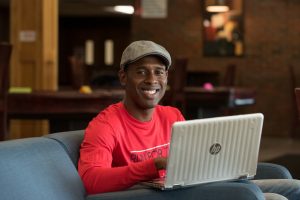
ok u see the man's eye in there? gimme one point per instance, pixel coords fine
(160, 72)
(141, 72)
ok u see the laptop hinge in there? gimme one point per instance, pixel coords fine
(245, 176)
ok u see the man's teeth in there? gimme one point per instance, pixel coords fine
(150, 91)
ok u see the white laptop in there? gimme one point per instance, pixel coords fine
(212, 149)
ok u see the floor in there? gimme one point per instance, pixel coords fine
(273, 147)
(282, 151)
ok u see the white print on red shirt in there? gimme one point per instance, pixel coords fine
(153, 152)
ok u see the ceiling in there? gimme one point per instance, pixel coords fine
(90, 7)
(85, 7)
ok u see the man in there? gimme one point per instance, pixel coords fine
(128, 141)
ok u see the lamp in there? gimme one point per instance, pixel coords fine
(218, 6)
(124, 9)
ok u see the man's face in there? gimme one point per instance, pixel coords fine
(145, 82)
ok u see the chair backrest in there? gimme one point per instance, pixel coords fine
(297, 94)
(229, 77)
(178, 75)
(295, 121)
(78, 71)
(5, 52)
(177, 82)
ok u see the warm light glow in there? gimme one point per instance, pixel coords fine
(109, 52)
(124, 9)
(217, 8)
(89, 52)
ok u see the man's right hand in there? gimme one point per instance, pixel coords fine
(160, 163)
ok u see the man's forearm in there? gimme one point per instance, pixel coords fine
(99, 179)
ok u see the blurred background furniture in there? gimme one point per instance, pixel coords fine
(295, 121)
(230, 76)
(78, 71)
(188, 93)
(297, 94)
(105, 79)
(203, 103)
(5, 52)
(65, 109)
(71, 110)
(177, 82)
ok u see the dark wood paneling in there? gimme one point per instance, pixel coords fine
(4, 24)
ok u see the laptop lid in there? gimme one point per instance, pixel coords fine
(213, 149)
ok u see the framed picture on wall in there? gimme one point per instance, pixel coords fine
(223, 28)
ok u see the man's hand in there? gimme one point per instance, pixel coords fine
(160, 163)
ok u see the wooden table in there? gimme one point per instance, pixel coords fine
(220, 100)
(62, 106)
(220, 96)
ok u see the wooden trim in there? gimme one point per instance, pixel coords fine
(34, 62)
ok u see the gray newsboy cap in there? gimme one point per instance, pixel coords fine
(139, 49)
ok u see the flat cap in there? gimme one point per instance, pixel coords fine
(139, 49)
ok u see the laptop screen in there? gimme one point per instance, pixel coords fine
(214, 149)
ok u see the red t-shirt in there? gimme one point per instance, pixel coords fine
(118, 150)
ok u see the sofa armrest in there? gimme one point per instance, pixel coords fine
(272, 171)
(223, 190)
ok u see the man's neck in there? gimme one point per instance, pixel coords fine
(142, 115)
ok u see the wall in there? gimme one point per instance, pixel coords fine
(272, 44)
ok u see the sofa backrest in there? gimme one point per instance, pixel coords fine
(38, 168)
(70, 141)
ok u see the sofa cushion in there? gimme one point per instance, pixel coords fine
(70, 141)
(272, 171)
(230, 190)
(37, 168)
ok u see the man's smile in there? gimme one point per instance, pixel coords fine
(150, 92)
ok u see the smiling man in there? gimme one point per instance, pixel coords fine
(128, 142)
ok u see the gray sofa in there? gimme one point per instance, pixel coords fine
(45, 168)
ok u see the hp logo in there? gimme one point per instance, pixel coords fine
(215, 149)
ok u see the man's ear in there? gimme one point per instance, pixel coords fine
(122, 77)
(167, 74)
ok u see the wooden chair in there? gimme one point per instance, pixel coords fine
(78, 72)
(229, 77)
(5, 52)
(297, 94)
(177, 82)
(295, 122)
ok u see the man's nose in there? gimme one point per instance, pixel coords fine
(151, 78)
